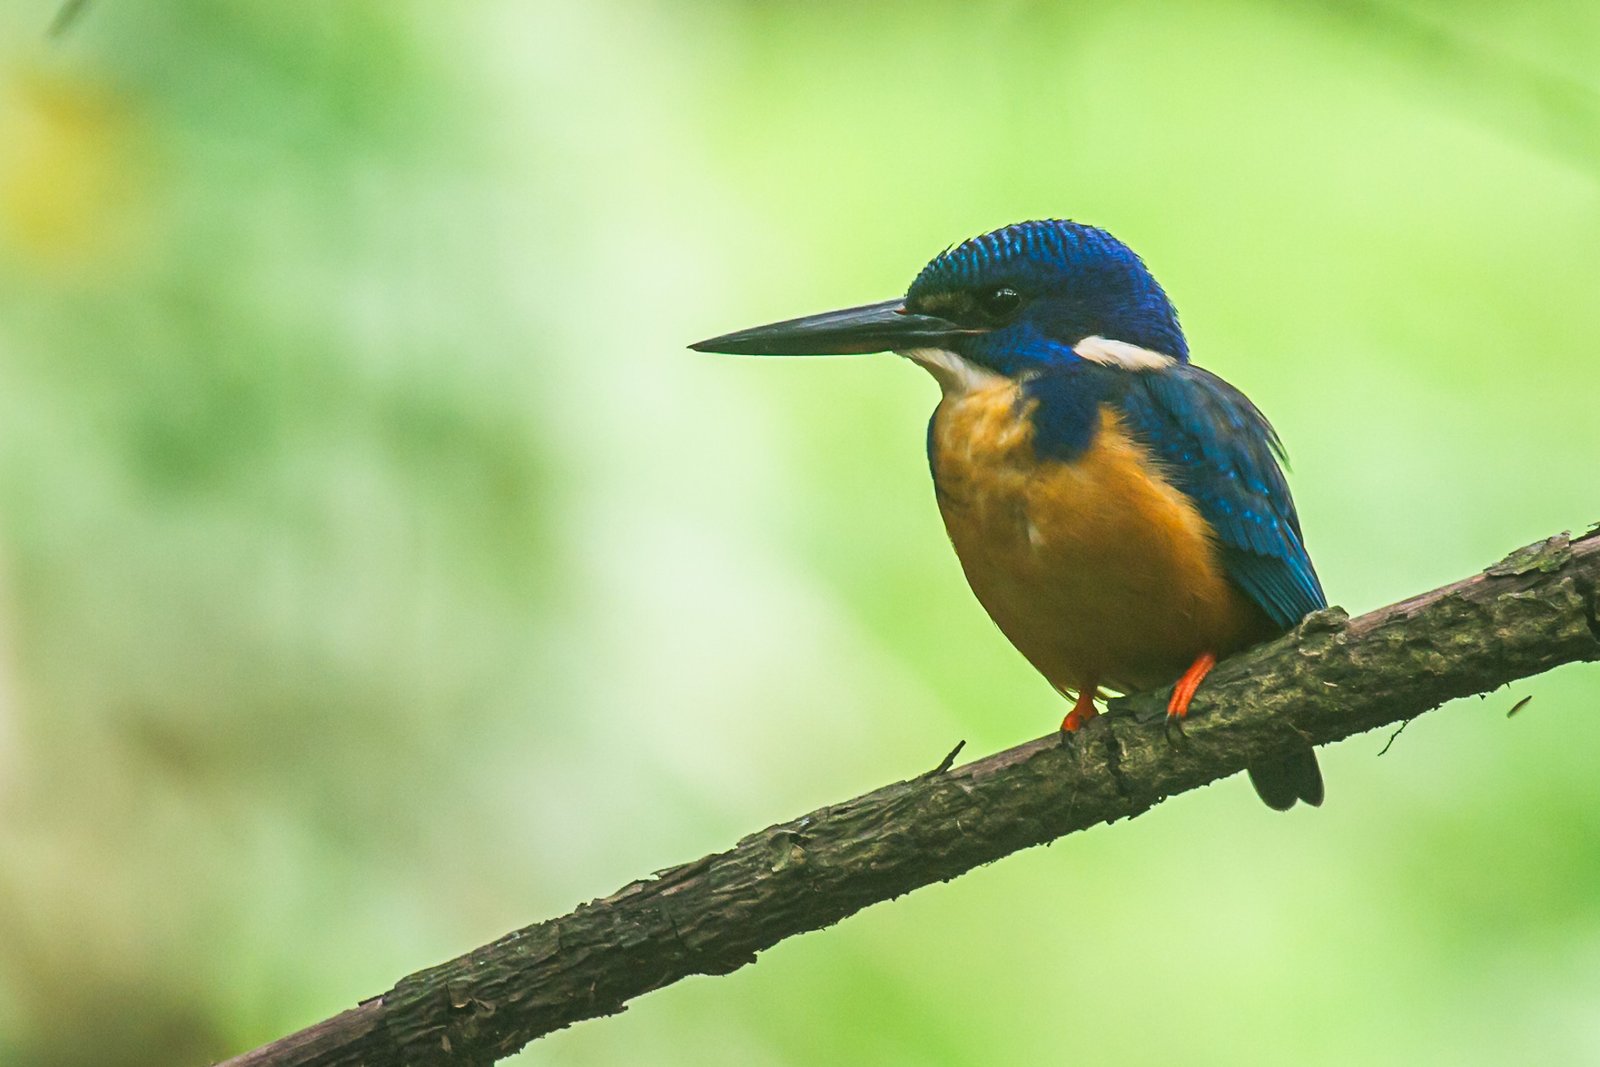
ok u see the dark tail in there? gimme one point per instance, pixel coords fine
(1285, 779)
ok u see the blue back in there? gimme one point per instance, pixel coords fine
(1215, 447)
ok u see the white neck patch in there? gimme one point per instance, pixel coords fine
(1111, 353)
(955, 374)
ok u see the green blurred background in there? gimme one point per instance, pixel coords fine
(379, 573)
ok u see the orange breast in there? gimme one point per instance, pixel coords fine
(1098, 570)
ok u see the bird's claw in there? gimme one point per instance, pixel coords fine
(1173, 725)
(1183, 693)
(1076, 720)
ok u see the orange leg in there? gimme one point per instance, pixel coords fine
(1082, 711)
(1183, 691)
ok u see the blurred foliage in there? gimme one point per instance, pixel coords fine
(379, 573)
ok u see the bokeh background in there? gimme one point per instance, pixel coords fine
(378, 572)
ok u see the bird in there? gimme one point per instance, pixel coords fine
(1121, 513)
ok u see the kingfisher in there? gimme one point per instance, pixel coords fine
(1120, 513)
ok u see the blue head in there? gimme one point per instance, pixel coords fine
(1036, 290)
(1020, 299)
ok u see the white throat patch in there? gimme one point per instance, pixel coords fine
(1111, 353)
(955, 374)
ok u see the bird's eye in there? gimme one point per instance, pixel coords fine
(1000, 304)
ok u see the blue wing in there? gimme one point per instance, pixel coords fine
(1223, 454)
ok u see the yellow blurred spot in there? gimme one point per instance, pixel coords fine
(66, 173)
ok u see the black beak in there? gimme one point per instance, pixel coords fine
(881, 327)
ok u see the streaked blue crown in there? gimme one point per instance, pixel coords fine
(1075, 281)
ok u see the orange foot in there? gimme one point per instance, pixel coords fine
(1183, 691)
(1082, 711)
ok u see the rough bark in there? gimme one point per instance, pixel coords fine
(1330, 678)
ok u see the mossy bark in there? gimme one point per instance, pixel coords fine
(1330, 678)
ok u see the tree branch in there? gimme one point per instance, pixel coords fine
(1331, 678)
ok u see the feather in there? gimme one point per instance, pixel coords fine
(1221, 452)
